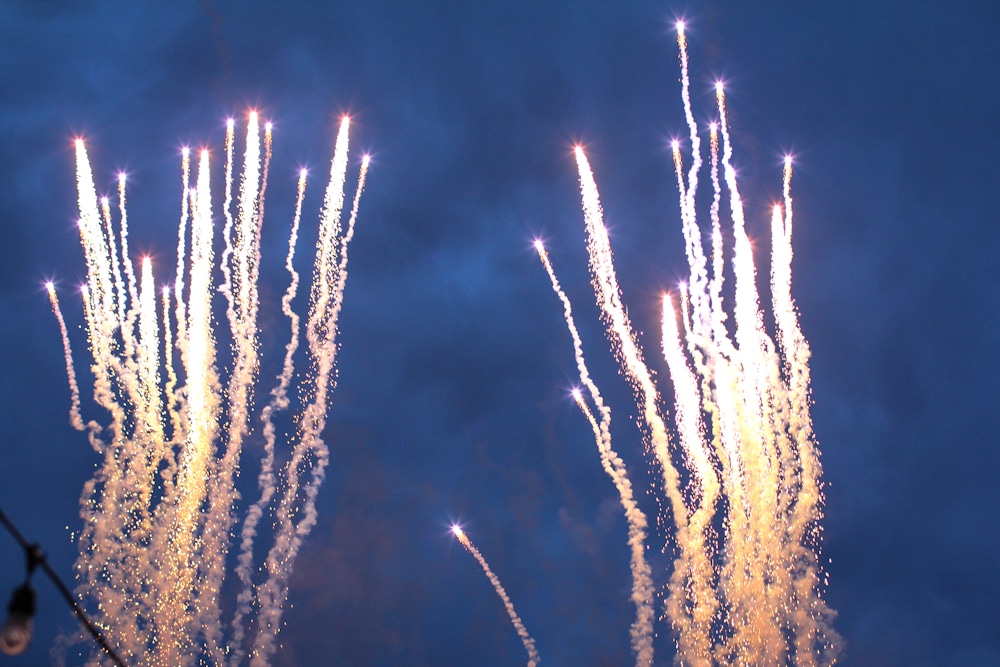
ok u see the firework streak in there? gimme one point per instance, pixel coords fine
(529, 643)
(748, 594)
(160, 513)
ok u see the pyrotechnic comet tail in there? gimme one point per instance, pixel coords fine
(74, 390)
(160, 511)
(750, 595)
(529, 643)
(642, 582)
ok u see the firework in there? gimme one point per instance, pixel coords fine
(159, 514)
(642, 581)
(742, 434)
(529, 643)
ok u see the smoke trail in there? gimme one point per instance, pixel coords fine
(529, 643)
(642, 583)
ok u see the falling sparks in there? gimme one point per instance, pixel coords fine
(529, 643)
(642, 582)
(74, 389)
(161, 510)
(749, 594)
(310, 454)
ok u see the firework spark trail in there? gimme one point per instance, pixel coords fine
(325, 267)
(755, 543)
(182, 232)
(169, 390)
(97, 296)
(141, 454)
(720, 337)
(202, 408)
(242, 265)
(115, 517)
(227, 210)
(149, 356)
(129, 269)
(158, 515)
(783, 400)
(752, 342)
(74, 390)
(719, 384)
(522, 632)
(242, 298)
(696, 330)
(811, 618)
(148, 409)
(698, 334)
(263, 179)
(266, 478)
(754, 605)
(168, 465)
(338, 293)
(692, 556)
(115, 261)
(685, 308)
(608, 294)
(642, 583)
(692, 235)
(795, 354)
(687, 407)
(100, 294)
(329, 276)
(752, 595)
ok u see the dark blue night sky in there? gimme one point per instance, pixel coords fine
(452, 402)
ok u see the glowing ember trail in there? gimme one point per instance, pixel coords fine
(750, 595)
(279, 401)
(642, 582)
(160, 512)
(74, 389)
(309, 453)
(529, 643)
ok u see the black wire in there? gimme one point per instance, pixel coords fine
(37, 558)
